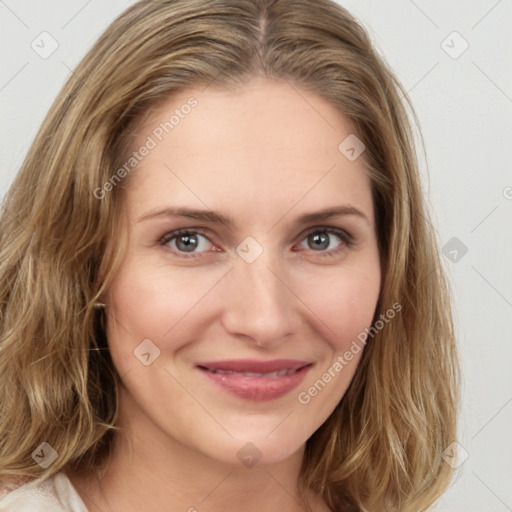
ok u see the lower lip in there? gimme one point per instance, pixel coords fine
(258, 389)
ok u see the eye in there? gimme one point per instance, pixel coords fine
(186, 241)
(327, 241)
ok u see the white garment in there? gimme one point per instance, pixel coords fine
(56, 494)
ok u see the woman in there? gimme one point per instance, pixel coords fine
(219, 286)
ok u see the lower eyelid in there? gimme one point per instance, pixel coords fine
(173, 236)
(346, 241)
(345, 237)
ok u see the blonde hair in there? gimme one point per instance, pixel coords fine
(380, 450)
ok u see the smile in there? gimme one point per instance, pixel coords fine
(270, 375)
(256, 380)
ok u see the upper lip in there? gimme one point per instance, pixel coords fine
(254, 366)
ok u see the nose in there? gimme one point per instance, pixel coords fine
(261, 307)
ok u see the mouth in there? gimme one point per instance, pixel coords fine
(271, 375)
(256, 380)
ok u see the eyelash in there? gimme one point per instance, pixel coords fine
(346, 240)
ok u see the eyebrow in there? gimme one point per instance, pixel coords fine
(212, 217)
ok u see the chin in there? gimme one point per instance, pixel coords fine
(254, 449)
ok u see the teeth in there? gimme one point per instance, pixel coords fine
(271, 375)
(223, 372)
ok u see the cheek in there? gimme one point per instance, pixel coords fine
(344, 304)
(171, 305)
(150, 301)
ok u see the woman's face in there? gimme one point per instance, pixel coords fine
(261, 279)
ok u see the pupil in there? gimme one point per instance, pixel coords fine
(186, 243)
(321, 241)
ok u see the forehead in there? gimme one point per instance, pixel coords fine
(257, 150)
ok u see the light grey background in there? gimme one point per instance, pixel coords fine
(464, 105)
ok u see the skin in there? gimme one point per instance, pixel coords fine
(262, 154)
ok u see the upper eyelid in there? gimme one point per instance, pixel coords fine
(171, 235)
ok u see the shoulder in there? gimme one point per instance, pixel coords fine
(9, 484)
(55, 494)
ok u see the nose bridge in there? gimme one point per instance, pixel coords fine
(263, 307)
(260, 281)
